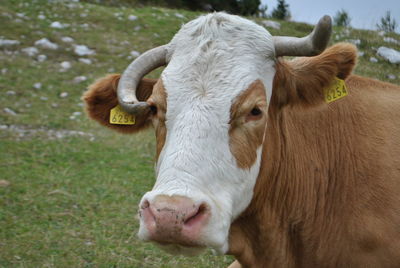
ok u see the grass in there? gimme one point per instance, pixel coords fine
(72, 201)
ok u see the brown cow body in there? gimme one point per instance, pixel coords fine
(328, 193)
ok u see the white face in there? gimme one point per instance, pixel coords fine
(213, 59)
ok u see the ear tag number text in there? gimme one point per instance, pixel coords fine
(336, 90)
(120, 117)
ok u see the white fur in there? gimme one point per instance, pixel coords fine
(212, 60)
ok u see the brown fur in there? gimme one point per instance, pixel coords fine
(246, 132)
(301, 80)
(328, 191)
(159, 99)
(101, 97)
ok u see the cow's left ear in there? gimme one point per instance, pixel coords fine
(101, 97)
(303, 80)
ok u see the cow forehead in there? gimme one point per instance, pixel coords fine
(216, 57)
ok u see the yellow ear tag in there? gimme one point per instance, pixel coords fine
(120, 117)
(336, 90)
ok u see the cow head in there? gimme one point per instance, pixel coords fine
(209, 112)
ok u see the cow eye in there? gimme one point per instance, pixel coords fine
(153, 109)
(255, 111)
(254, 114)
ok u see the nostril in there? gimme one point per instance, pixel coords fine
(145, 204)
(197, 215)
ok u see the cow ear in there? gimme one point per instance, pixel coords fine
(303, 80)
(101, 97)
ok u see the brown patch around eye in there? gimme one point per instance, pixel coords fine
(248, 119)
(158, 100)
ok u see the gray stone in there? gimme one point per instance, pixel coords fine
(37, 85)
(8, 42)
(45, 43)
(390, 54)
(9, 111)
(271, 24)
(373, 59)
(82, 50)
(30, 51)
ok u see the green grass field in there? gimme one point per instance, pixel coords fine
(69, 199)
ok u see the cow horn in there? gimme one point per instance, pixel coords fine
(310, 45)
(131, 77)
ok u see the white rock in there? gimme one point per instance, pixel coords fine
(37, 85)
(10, 93)
(30, 51)
(67, 39)
(137, 28)
(58, 25)
(82, 50)
(135, 53)
(391, 76)
(65, 65)
(361, 53)
(373, 59)
(354, 41)
(346, 31)
(9, 111)
(391, 40)
(381, 33)
(76, 113)
(179, 15)
(54, 105)
(111, 70)
(8, 42)
(43, 98)
(271, 24)
(41, 17)
(390, 54)
(64, 94)
(132, 17)
(4, 71)
(41, 58)
(79, 79)
(22, 15)
(86, 61)
(45, 43)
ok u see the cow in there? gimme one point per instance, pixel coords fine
(251, 159)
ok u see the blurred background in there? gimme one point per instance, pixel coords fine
(69, 188)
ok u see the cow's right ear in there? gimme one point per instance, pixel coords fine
(101, 97)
